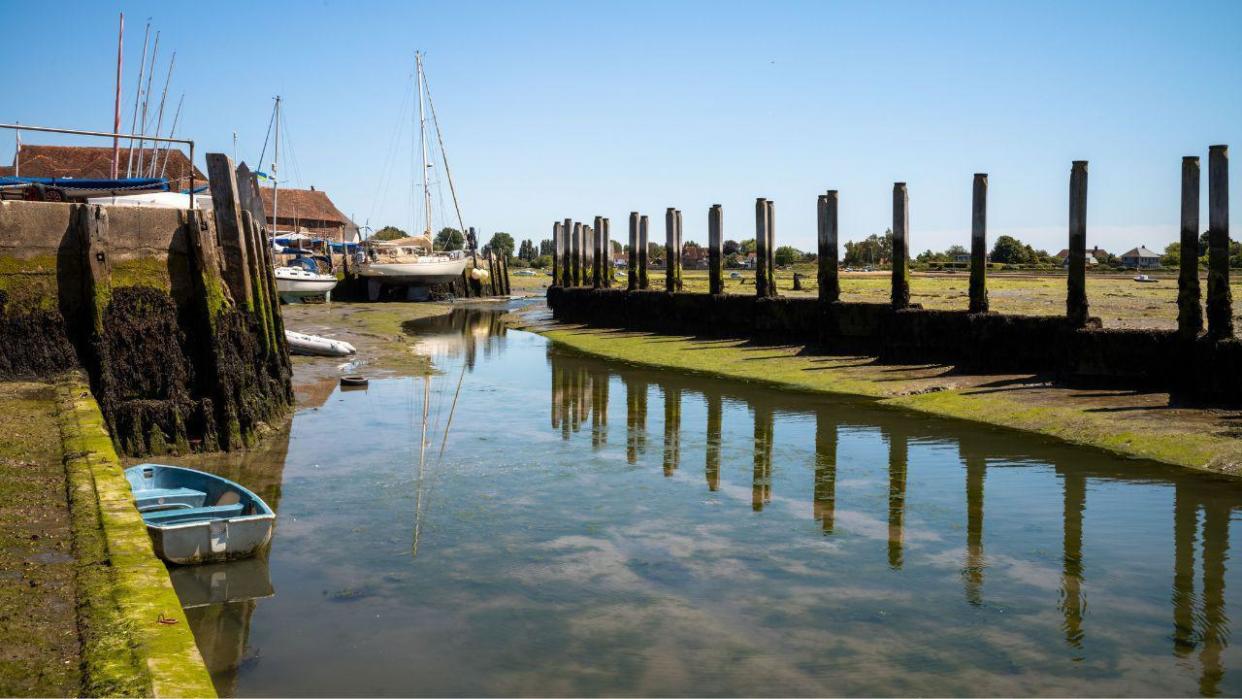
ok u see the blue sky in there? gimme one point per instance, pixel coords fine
(576, 109)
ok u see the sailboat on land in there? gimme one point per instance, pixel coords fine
(414, 260)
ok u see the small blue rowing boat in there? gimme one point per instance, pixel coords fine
(197, 517)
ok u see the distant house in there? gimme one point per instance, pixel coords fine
(961, 257)
(1094, 255)
(308, 211)
(1140, 258)
(95, 162)
(693, 256)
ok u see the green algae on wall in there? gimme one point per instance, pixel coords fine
(124, 590)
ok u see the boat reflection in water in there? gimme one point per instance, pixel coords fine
(460, 333)
(1202, 506)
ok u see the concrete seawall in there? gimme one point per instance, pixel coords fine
(143, 300)
(1194, 370)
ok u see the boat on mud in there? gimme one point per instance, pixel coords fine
(303, 278)
(197, 517)
(314, 345)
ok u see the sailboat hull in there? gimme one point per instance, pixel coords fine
(431, 272)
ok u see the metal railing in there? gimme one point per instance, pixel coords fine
(105, 134)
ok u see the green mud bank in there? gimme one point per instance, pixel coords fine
(1126, 422)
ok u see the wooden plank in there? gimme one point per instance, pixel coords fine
(226, 204)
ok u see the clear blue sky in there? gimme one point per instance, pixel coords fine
(576, 109)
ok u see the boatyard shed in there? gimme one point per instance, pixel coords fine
(95, 162)
(308, 211)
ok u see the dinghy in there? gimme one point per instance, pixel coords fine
(301, 343)
(196, 517)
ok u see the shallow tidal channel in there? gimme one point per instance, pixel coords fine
(595, 529)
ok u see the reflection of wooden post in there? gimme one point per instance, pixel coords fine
(672, 429)
(1075, 487)
(1215, 634)
(1189, 308)
(1219, 298)
(825, 470)
(644, 281)
(898, 457)
(1076, 283)
(761, 483)
(829, 282)
(599, 409)
(635, 419)
(976, 472)
(979, 245)
(631, 271)
(901, 231)
(761, 247)
(714, 410)
(1185, 522)
(715, 250)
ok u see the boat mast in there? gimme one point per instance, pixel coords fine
(422, 134)
(116, 111)
(275, 163)
(435, 121)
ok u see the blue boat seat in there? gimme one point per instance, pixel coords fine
(193, 514)
(162, 498)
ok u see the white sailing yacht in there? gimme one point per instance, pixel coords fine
(414, 260)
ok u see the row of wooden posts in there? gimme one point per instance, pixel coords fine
(575, 244)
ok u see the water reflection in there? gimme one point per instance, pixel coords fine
(459, 334)
(825, 469)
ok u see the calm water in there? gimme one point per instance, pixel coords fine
(597, 529)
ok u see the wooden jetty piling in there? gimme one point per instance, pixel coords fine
(567, 228)
(1189, 307)
(770, 259)
(631, 271)
(901, 230)
(715, 250)
(226, 203)
(644, 281)
(576, 258)
(557, 243)
(605, 237)
(761, 247)
(670, 249)
(979, 244)
(677, 249)
(1076, 284)
(828, 279)
(1219, 298)
(597, 251)
(585, 262)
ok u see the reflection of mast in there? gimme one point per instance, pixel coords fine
(1185, 522)
(898, 454)
(1072, 602)
(761, 485)
(713, 441)
(825, 470)
(976, 472)
(672, 429)
(1215, 624)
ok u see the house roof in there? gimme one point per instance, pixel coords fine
(1140, 251)
(1095, 252)
(95, 162)
(305, 205)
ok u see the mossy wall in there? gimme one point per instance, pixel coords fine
(128, 294)
(1203, 369)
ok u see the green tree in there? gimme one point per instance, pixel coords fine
(870, 251)
(787, 255)
(542, 262)
(747, 246)
(1172, 256)
(547, 247)
(1011, 251)
(389, 233)
(501, 244)
(450, 239)
(731, 247)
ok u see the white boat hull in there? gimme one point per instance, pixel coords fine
(430, 272)
(295, 284)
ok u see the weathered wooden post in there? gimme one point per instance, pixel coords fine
(1189, 309)
(586, 255)
(631, 272)
(644, 281)
(567, 234)
(577, 254)
(1219, 298)
(901, 230)
(829, 282)
(226, 202)
(715, 249)
(771, 256)
(605, 237)
(677, 248)
(761, 247)
(597, 274)
(1076, 298)
(670, 249)
(979, 244)
(557, 242)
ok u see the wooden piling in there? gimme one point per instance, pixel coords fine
(715, 249)
(1189, 306)
(597, 269)
(1219, 298)
(557, 242)
(644, 281)
(226, 203)
(605, 240)
(631, 272)
(900, 261)
(771, 256)
(678, 247)
(829, 281)
(576, 257)
(1076, 284)
(567, 232)
(979, 244)
(670, 250)
(761, 247)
